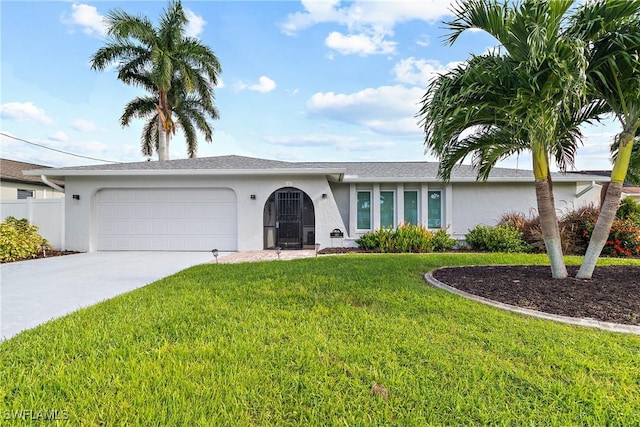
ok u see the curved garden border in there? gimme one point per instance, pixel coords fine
(580, 321)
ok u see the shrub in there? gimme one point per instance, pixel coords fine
(406, 238)
(624, 238)
(19, 240)
(443, 242)
(503, 238)
(572, 226)
(478, 237)
(629, 209)
(368, 240)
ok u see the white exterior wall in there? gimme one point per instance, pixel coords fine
(484, 203)
(80, 214)
(9, 191)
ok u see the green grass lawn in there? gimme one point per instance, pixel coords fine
(303, 342)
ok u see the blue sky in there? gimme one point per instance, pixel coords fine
(301, 80)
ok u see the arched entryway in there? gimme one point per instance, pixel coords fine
(289, 220)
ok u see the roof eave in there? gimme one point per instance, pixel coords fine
(337, 173)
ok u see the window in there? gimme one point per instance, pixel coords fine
(387, 211)
(25, 194)
(411, 207)
(364, 210)
(434, 206)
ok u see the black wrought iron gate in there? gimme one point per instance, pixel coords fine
(289, 218)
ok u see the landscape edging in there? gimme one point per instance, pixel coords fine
(579, 321)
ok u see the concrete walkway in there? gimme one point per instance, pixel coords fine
(35, 291)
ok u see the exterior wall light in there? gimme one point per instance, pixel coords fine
(253, 197)
(324, 195)
(76, 197)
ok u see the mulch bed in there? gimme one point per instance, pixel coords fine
(612, 295)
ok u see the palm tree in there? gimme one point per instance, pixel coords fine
(191, 113)
(614, 77)
(521, 95)
(633, 173)
(154, 58)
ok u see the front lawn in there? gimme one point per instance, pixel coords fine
(345, 340)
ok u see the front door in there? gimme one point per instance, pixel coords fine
(289, 218)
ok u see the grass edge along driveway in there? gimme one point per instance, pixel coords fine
(348, 340)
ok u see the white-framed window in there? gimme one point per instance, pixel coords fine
(411, 202)
(364, 210)
(25, 194)
(387, 209)
(434, 209)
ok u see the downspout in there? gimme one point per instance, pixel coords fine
(586, 190)
(51, 184)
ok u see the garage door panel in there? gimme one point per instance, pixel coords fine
(166, 219)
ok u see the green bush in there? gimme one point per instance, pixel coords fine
(629, 209)
(503, 238)
(368, 240)
(19, 240)
(443, 242)
(406, 238)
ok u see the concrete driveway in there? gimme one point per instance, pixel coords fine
(35, 291)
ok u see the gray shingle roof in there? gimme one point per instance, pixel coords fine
(351, 171)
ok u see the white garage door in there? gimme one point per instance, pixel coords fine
(162, 219)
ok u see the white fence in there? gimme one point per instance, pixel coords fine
(47, 214)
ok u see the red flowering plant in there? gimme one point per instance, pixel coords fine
(624, 238)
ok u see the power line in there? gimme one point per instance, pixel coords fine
(55, 149)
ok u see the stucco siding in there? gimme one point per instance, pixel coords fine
(484, 203)
(341, 195)
(9, 191)
(80, 219)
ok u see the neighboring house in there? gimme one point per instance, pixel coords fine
(235, 203)
(14, 185)
(628, 190)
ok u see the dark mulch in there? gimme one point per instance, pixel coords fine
(612, 295)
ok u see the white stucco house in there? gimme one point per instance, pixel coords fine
(234, 203)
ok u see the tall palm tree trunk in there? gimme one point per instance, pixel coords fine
(550, 229)
(547, 210)
(163, 152)
(609, 206)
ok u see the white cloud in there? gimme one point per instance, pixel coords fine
(264, 85)
(424, 41)
(365, 14)
(59, 136)
(361, 44)
(83, 125)
(88, 18)
(420, 71)
(195, 25)
(386, 109)
(24, 111)
(367, 21)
